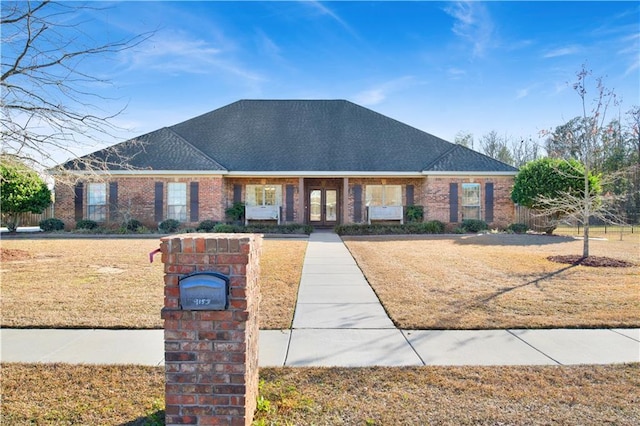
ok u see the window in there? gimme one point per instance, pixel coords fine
(177, 201)
(384, 195)
(263, 195)
(470, 201)
(97, 202)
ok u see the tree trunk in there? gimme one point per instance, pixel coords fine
(585, 244)
(586, 210)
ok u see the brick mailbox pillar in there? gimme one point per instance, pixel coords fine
(211, 356)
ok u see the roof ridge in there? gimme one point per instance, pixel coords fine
(442, 156)
(195, 148)
(485, 155)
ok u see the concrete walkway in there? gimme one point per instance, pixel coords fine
(339, 321)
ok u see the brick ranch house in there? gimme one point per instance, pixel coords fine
(318, 162)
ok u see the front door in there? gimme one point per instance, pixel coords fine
(323, 206)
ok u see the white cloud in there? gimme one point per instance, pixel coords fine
(456, 73)
(472, 24)
(177, 52)
(324, 10)
(522, 93)
(380, 92)
(563, 51)
(267, 45)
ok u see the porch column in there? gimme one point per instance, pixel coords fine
(301, 200)
(345, 201)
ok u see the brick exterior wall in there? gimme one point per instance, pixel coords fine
(215, 194)
(435, 196)
(211, 357)
(63, 206)
(136, 200)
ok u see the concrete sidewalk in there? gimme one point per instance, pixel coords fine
(346, 347)
(339, 321)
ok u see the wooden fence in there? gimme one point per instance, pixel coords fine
(31, 219)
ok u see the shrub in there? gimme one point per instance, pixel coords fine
(207, 226)
(431, 227)
(235, 212)
(415, 213)
(474, 225)
(225, 228)
(51, 224)
(518, 228)
(133, 225)
(169, 226)
(291, 228)
(87, 224)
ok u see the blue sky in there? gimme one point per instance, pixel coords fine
(443, 67)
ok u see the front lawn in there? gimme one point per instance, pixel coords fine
(109, 283)
(433, 282)
(496, 281)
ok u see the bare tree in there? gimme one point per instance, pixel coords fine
(523, 151)
(50, 107)
(582, 138)
(464, 138)
(496, 147)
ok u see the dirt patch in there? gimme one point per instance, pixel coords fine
(12, 255)
(593, 261)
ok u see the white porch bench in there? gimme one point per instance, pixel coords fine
(385, 213)
(261, 213)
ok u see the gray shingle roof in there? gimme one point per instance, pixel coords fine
(462, 159)
(301, 135)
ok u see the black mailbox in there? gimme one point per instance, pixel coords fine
(204, 291)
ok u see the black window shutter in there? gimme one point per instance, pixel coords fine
(357, 203)
(194, 203)
(113, 201)
(289, 203)
(453, 202)
(488, 202)
(237, 193)
(159, 202)
(78, 201)
(410, 200)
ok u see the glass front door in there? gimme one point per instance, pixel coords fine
(323, 206)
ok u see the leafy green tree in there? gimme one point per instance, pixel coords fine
(546, 179)
(21, 191)
(549, 177)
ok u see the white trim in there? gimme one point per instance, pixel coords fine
(146, 173)
(336, 174)
(304, 174)
(428, 173)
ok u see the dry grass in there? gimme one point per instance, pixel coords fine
(500, 281)
(586, 395)
(280, 272)
(109, 283)
(440, 282)
(104, 283)
(127, 395)
(62, 394)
